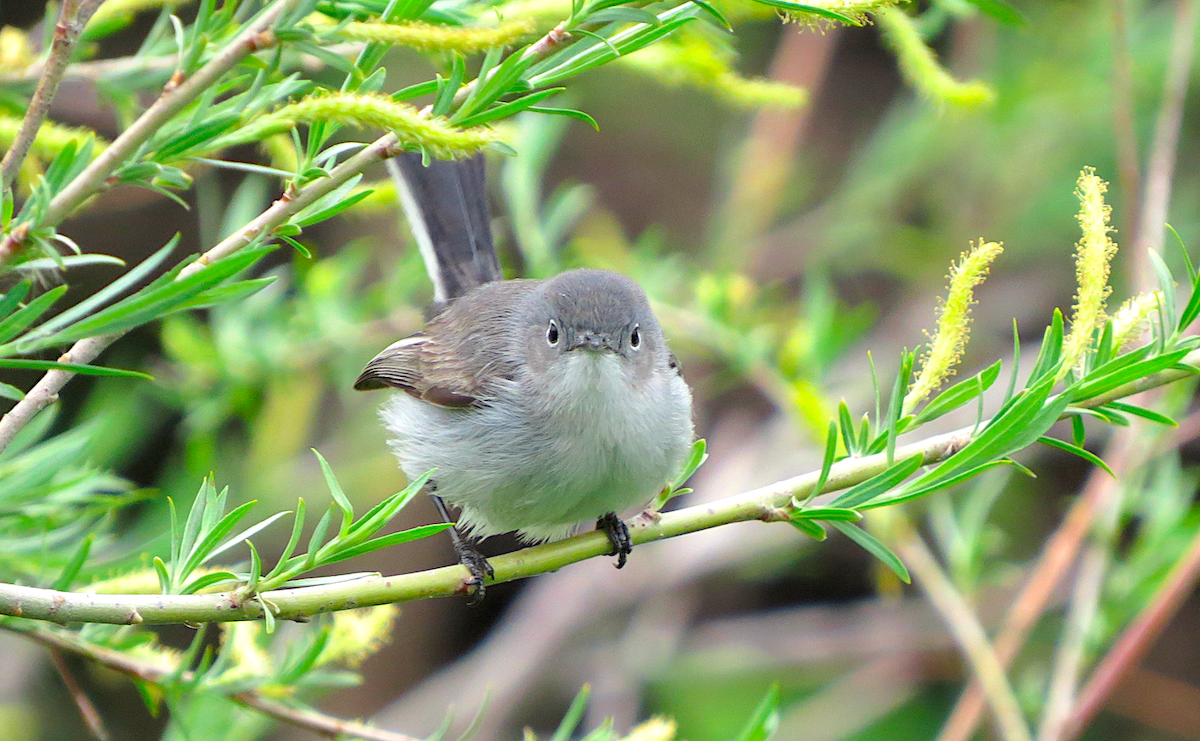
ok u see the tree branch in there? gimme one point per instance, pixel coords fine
(759, 504)
(967, 631)
(45, 391)
(123, 663)
(257, 35)
(1137, 639)
(72, 17)
(1057, 556)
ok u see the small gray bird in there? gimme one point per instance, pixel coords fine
(539, 404)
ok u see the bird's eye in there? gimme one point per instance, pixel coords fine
(635, 337)
(552, 333)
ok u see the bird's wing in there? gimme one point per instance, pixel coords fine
(417, 366)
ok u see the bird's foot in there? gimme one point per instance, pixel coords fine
(481, 570)
(618, 534)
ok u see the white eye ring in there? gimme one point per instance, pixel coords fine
(552, 333)
(635, 337)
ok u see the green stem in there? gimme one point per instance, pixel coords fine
(764, 503)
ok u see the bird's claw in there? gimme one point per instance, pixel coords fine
(470, 557)
(618, 534)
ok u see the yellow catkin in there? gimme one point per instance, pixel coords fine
(369, 111)
(144, 581)
(281, 152)
(921, 68)
(858, 11)
(655, 729)
(544, 14)
(954, 322)
(428, 37)
(15, 52)
(356, 634)
(114, 14)
(51, 138)
(240, 645)
(696, 63)
(1093, 259)
(1132, 317)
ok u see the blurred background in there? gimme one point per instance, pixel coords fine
(780, 246)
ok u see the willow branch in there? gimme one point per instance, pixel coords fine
(87, 710)
(45, 392)
(257, 35)
(764, 504)
(72, 17)
(1165, 144)
(99, 70)
(123, 663)
(1056, 558)
(1137, 639)
(968, 633)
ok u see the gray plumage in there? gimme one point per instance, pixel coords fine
(542, 404)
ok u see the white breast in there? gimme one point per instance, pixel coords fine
(588, 442)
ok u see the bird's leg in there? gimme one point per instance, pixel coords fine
(468, 552)
(618, 534)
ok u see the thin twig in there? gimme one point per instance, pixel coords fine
(100, 70)
(764, 503)
(1057, 556)
(72, 17)
(91, 717)
(1137, 639)
(256, 36)
(1085, 596)
(967, 631)
(1165, 144)
(1060, 551)
(45, 391)
(130, 666)
(1128, 170)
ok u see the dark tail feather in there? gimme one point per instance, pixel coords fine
(446, 205)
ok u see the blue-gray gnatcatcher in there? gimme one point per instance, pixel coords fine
(542, 404)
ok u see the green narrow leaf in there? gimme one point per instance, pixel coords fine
(384, 541)
(830, 514)
(810, 528)
(71, 570)
(1078, 431)
(317, 538)
(328, 213)
(875, 548)
(831, 441)
(1142, 412)
(87, 370)
(207, 580)
(879, 483)
(335, 490)
(26, 315)
(959, 394)
(570, 113)
(714, 14)
(1083, 453)
(504, 110)
(1051, 352)
(12, 299)
(764, 721)
(846, 426)
(574, 715)
(915, 492)
(1000, 10)
(1166, 284)
(8, 391)
(164, 579)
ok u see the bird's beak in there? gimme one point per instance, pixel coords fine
(594, 341)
